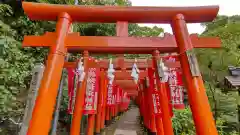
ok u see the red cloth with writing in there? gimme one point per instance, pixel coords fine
(92, 88)
(115, 88)
(154, 92)
(70, 89)
(176, 85)
(118, 95)
(109, 94)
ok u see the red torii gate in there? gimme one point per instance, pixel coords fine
(120, 63)
(61, 41)
(123, 70)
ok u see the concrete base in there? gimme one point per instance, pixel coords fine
(125, 132)
(152, 133)
(141, 118)
(128, 124)
(112, 120)
(107, 122)
(97, 133)
(148, 130)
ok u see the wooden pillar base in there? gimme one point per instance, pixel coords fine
(91, 122)
(97, 133)
(159, 125)
(107, 122)
(102, 130)
(152, 133)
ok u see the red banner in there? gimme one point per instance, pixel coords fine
(70, 89)
(179, 78)
(114, 95)
(154, 92)
(118, 101)
(105, 90)
(148, 105)
(125, 101)
(176, 85)
(109, 94)
(92, 89)
(156, 102)
(169, 99)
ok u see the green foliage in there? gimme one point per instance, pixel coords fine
(5, 10)
(228, 30)
(16, 62)
(6, 91)
(214, 66)
(89, 2)
(135, 30)
(13, 74)
(183, 123)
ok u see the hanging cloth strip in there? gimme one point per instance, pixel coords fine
(162, 71)
(114, 93)
(118, 100)
(110, 72)
(154, 92)
(109, 94)
(80, 70)
(110, 76)
(125, 101)
(135, 72)
(176, 87)
(92, 88)
(71, 74)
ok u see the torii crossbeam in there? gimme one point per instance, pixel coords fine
(112, 14)
(126, 64)
(104, 44)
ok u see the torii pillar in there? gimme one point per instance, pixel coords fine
(198, 99)
(51, 78)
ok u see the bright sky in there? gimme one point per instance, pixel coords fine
(227, 7)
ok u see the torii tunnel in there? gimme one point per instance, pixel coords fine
(96, 95)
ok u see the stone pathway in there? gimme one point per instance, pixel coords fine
(128, 124)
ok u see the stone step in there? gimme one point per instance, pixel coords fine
(125, 132)
(129, 124)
